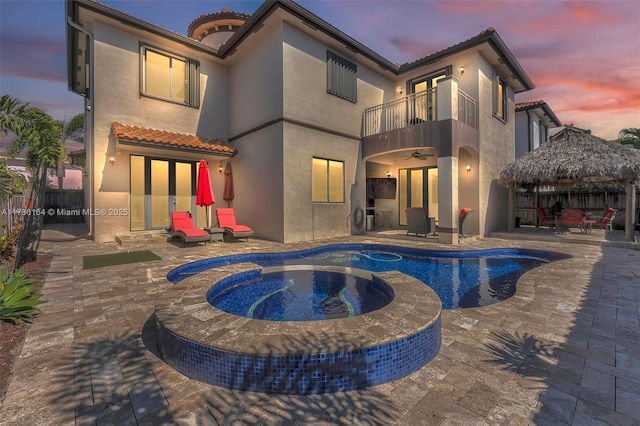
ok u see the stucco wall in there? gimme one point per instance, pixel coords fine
(522, 134)
(255, 84)
(258, 182)
(496, 150)
(305, 220)
(117, 98)
(305, 85)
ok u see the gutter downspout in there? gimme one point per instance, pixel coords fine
(88, 121)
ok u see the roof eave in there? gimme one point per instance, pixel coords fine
(268, 7)
(142, 25)
(499, 46)
(181, 148)
(493, 39)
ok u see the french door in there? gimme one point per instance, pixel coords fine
(424, 96)
(160, 186)
(418, 187)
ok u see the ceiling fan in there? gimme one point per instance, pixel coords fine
(418, 155)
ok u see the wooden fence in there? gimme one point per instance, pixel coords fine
(594, 201)
(66, 199)
(12, 212)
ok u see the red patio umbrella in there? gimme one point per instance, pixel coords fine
(228, 184)
(204, 193)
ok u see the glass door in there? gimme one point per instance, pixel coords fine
(418, 188)
(424, 96)
(159, 187)
(159, 197)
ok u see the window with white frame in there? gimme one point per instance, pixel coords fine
(170, 77)
(341, 77)
(327, 181)
(500, 97)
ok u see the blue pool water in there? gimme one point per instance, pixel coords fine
(300, 295)
(462, 279)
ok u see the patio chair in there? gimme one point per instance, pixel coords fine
(227, 221)
(182, 227)
(605, 221)
(544, 220)
(417, 221)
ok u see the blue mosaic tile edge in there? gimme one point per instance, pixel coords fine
(314, 373)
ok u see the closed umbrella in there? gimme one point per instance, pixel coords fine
(228, 184)
(204, 193)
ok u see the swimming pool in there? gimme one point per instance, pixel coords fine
(300, 294)
(462, 279)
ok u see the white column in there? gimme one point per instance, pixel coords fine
(630, 211)
(447, 98)
(511, 210)
(448, 210)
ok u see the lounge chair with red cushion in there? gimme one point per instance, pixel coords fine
(227, 221)
(182, 227)
(544, 219)
(605, 221)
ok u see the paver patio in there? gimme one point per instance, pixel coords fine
(563, 350)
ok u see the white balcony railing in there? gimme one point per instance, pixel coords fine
(415, 109)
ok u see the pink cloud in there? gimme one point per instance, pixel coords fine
(33, 57)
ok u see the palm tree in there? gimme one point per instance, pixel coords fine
(630, 136)
(38, 133)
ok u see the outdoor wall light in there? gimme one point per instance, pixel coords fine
(399, 90)
(461, 69)
(220, 167)
(388, 174)
(112, 160)
(468, 168)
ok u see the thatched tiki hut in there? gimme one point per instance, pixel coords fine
(573, 156)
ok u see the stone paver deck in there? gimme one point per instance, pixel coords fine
(563, 350)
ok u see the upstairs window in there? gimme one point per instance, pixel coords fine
(328, 181)
(500, 98)
(341, 77)
(170, 77)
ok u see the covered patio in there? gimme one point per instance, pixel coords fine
(576, 156)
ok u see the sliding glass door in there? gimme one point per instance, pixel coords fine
(159, 187)
(418, 187)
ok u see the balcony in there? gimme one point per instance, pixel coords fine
(430, 105)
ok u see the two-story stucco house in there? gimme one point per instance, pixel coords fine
(308, 117)
(533, 121)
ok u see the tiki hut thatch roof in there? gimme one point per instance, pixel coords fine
(572, 156)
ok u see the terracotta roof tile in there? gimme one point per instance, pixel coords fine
(548, 112)
(531, 104)
(163, 138)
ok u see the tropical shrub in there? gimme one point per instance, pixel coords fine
(18, 299)
(7, 244)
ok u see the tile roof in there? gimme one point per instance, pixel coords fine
(520, 106)
(224, 13)
(539, 104)
(165, 139)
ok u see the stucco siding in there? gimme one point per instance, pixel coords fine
(305, 86)
(522, 134)
(259, 182)
(117, 98)
(496, 150)
(303, 219)
(255, 84)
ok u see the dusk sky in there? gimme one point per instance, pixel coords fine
(583, 56)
